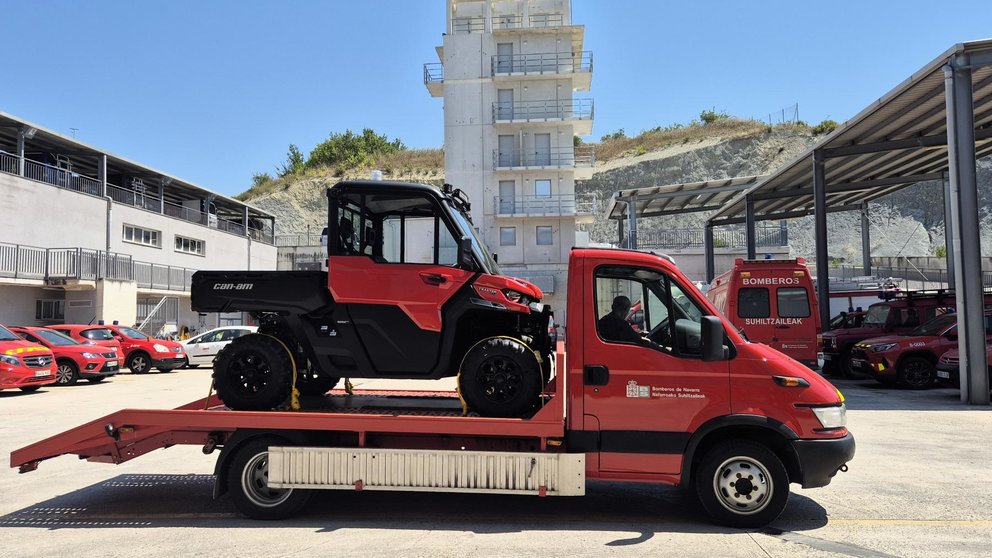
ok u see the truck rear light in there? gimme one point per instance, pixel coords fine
(831, 417)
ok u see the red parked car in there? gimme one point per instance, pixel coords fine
(142, 353)
(90, 334)
(73, 359)
(23, 364)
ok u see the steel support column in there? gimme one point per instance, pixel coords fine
(244, 218)
(632, 223)
(865, 240)
(967, 241)
(950, 217)
(620, 233)
(20, 153)
(101, 172)
(820, 231)
(749, 228)
(708, 253)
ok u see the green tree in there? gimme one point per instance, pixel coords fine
(350, 150)
(260, 178)
(294, 161)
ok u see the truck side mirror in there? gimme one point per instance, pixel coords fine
(466, 259)
(713, 348)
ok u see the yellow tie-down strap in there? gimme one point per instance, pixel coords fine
(458, 377)
(294, 394)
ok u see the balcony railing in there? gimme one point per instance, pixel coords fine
(8, 163)
(88, 264)
(542, 63)
(61, 177)
(564, 204)
(473, 24)
(23, 262)
(554, 157)
(551, 109)
(162, 277)
(433, 73)
(695, 238)
(534, 21)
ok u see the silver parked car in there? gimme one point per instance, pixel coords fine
(203, 348)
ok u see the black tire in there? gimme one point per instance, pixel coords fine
(66, 372)
(845, 367)
(917, 372)
(247, 474)
(96, 380)
(30, 389)
(310, 382)
(500, 377)
(139, 363)
(188, 365)
(165, 370)
(731, 463)
(254, 373)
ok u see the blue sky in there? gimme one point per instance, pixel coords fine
(214, 91)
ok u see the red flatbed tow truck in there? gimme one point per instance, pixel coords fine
(690, 402)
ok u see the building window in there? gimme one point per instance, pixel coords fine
(49, 309)
(542, 188)
(508, 236)
(138, 235)
(190, 246)
(544, 236)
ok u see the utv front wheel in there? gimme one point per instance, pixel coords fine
(254, 373)
(500, 377)
(311, 382)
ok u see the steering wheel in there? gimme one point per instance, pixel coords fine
(661, 333)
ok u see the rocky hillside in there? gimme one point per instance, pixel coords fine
(908, 223)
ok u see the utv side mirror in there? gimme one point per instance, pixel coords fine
(713, 348)
(466, 260)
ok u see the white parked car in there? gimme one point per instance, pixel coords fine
(203, 348)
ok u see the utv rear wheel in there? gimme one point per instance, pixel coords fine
(254, 373)
(311, 382)
(500, 377)
(917, 373)
(742, 484)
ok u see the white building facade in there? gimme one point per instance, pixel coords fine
(508, 74)
(89, 236)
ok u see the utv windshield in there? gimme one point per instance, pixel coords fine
(877, 315)
(478, 246)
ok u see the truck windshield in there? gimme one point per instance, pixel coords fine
(935, 326)
(877, 315)
(481, 252)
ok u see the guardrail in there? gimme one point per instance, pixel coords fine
(298, 240)
(472, 24)
(517, 21)
(695, 238)
(556, 157)
(61, 177)
(541, 63)
(433, 73)
(163, 277)
(8, 163)
(551, 109)
(22, 262)
(907, 273)
(565, 204)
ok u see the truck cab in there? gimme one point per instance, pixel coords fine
(773, 302)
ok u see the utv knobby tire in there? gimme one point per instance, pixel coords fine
(500, 377)
(311, 382)
(253, 373)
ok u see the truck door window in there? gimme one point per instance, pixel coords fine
(671, 317)
(752, 302)
(793, 302)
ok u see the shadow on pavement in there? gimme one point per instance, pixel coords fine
(635, 513)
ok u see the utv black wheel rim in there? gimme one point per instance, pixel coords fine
(252, 372)
(500, 379)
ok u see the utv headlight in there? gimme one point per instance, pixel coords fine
(831, 417)
(514, 296)
(882, 348)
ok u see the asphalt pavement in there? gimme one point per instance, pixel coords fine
(918, 486)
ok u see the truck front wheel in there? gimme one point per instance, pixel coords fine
(253, 373)
(248, 484)
(742, 484)
(500, 377)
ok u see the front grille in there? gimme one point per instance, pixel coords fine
(949, 360)
(827, 342)
(37, 361)
(109, 355)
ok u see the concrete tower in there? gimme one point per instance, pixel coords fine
(508, 74)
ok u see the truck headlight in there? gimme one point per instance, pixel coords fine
(160, 348)
(882, 348)
(831, 417)
(11, 360)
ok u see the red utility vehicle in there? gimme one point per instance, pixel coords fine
(695, 404)
(948, 369)
(73, 359)
(23, 364)
(91, 335)
(142, 353)
(910, 359)
(903, 312)
(773, 302)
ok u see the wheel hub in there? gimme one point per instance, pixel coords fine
(742, 485)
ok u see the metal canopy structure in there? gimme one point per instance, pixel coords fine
(672, 199)
(932, 126)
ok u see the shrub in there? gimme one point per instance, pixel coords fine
(618, 135)
(940, 251)
(825, 127)
(641, 149)
(577, 141)
(294, 162)
(260, 178)
(350, 150)
(711, 116)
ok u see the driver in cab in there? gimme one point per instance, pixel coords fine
(614, 326)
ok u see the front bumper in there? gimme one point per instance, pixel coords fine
(169, 362)
(96, 370)
(819, 460)
(24, 377)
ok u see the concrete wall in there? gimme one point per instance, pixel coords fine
(116, 300)
(17, 304)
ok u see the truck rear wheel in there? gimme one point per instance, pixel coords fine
(254, 373)
(247, 482)
(742, 484)
(500, 377)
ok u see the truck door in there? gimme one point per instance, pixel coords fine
(393, 264)
(645, 394)
(794, 323)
